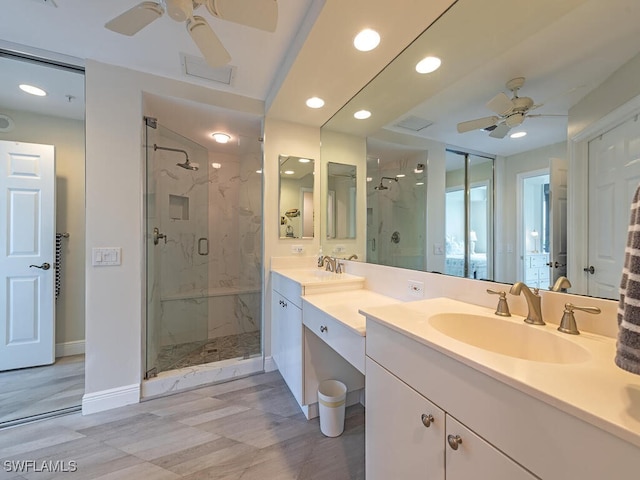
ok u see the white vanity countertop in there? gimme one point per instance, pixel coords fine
(595, 390)
(344, 306)
(318, 276)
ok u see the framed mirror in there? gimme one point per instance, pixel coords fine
(296, 208)
(566, 78)
(341, 201)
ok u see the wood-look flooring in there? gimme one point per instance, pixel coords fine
(246, 429)
(29, 392)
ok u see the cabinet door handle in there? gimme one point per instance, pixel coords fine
(323, 328)
(454, 441)
(427, 419)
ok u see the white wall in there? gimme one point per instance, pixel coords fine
(114, 179)
(67, 136)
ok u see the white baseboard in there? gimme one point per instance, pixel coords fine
(270, 364)
(111, 398)
(67, 349)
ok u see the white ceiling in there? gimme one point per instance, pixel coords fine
(76, 28)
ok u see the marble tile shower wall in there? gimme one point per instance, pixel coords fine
(208, 292)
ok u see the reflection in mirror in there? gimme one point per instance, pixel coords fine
(296, 197)
(396, 213)
(567, 79)
(341, 201)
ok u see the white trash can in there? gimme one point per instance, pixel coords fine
(332, 396)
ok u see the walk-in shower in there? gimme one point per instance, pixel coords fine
(203, 252)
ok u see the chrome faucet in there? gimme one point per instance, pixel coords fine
(534, 302)
(330, 263)
(562, 283)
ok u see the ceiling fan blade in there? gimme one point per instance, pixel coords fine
(260, 14)
(207, 42)
(135, 19)
(501, 104)
(477, 124)
(500, 131)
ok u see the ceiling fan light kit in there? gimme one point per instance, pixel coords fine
(260, 14)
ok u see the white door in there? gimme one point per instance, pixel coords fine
(558, 169)
(614, 174)
(27, 247)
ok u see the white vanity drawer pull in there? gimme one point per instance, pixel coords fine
(454, 441)
(323, 328)
(427, 419)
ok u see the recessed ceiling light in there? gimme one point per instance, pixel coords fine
(428, 65)
(315, 102)
(32, 90)
(419, 183)
(304, 160)
(517, 135)
(400, 175)
(366, 40)
(221, 137)
(216, 165)
(369, 179)
(289, 172)
(362, 114)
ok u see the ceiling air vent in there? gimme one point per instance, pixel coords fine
(197, 67)
(414, 123)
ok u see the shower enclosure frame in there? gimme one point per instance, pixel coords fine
(222, 370)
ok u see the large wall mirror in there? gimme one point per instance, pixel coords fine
(341, 201)
(553, 100)
(296, 197)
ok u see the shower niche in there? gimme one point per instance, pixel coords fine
(178, 207)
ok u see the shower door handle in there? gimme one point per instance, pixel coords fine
(157, 236)
(203, 246)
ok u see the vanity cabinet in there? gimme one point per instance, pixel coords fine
(410, 437)
(286, 318)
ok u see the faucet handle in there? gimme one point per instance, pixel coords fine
(503, 306)
(568, 322)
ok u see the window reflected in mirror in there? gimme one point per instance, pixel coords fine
(296, 197)
(341, 201)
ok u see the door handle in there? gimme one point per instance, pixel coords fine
(44, 266)
(590, 269)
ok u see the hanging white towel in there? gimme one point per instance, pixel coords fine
(628, 346)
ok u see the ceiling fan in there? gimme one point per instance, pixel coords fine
(260, 14)
(510, 112)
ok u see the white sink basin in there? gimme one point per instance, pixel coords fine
(506, 337)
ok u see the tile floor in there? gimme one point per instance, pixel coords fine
(36, 390)
(247, 429)
(242, 345)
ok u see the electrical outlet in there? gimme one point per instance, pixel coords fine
(438, 249)
(297, 249)
(340, 249)
(416, 289)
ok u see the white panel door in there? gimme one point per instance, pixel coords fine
(558, 169)
(614, 174)
(27, 255)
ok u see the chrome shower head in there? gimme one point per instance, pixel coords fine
(187, 165)
(381, 186)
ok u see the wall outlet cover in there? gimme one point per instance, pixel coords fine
(297, 249)
(416, 289)
(438, 249)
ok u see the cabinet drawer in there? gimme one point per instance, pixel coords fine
(289, 289)
(342, 339)
(538, 261)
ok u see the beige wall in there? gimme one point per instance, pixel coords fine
(68, 138)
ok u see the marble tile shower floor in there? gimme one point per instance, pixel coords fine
(243, 345)
(247, 429)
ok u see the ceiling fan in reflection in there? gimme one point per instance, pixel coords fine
(510, 112)
(260, 14)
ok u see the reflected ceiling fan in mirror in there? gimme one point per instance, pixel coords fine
(510, 112)
(260, 14)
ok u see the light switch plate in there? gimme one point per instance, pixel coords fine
(297, 249)
(106, 256)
